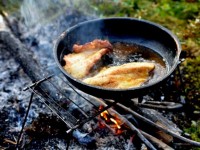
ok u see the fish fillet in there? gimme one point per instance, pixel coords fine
(122, 77)
(95, 45)
(84, 57)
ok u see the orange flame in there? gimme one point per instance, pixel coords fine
(115, 122)
(104, 114)
(109, 118)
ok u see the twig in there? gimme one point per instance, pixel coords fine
(10, 141)
(194, 143)
(160, 105)
(156, 141)
(130, 141)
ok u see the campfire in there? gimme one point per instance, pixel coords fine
(86, 121)
(110, 114)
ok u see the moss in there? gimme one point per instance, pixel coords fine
(194, 130)
(191, 71)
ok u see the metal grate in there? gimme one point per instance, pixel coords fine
(51, 100)
(60, 88)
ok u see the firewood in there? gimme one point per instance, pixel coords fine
(160, 120)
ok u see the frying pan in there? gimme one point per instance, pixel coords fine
(128, 30)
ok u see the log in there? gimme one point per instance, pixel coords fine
(32, 68)
(160, 120)
(23, 56)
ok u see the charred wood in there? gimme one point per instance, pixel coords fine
(12, 26)
(162, 121)
(157, 142)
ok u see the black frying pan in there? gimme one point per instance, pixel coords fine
(128, 30)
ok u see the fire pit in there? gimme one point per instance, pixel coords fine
(111, 117)
(98, 109)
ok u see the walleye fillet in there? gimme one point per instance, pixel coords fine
(84, 57)
(122, 77)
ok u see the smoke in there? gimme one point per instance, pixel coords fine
(41, 11)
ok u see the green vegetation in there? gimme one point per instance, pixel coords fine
(194, 130)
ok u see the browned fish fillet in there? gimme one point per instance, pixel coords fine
(94, 45)
(79, 63)
(122, 77)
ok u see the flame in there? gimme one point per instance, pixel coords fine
(104, 114)
(109, 118)
(114, 121)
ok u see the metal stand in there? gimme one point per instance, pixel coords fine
(24, 122)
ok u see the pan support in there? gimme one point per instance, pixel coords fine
(73, 123)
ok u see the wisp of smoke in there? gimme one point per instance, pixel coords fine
(40, 11)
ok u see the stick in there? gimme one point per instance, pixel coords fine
(194, 143)
(156, 141)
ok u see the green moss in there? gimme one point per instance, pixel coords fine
(181, 17)
(191, 71)
(194, 130)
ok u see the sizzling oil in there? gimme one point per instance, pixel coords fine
(125, 53)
